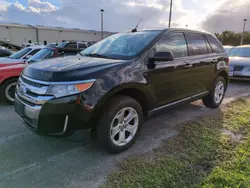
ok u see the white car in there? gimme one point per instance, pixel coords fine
(22, 55)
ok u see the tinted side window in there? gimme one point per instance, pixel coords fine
(209, 48)
(197, 44)
(216, 46)
(175, 42)
(71, 45)
(82, 45)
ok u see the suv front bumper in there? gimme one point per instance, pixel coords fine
(56, 117)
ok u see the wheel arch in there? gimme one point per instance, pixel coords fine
(134, 92)
(9, 78)
(224, 74)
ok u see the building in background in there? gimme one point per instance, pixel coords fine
(22, 34)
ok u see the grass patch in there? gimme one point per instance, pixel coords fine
(210, 152)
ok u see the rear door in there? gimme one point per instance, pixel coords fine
(171, 79)
(202, 60)
(220, 57)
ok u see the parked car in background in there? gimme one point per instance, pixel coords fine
(110, 86)
(10, 69)
(52, 45)
(5, 53)
(2, 47)
(48, 53)
(228, 48)
(90, 43)
(240, 63)
(32, 44)
(73, 45)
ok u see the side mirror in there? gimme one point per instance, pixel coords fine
(162, 56)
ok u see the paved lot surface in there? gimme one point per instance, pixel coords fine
(28, 160)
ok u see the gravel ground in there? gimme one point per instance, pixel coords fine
(28, 160)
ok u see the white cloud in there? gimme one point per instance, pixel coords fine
(229, 16)
(40, 6)
(122, 15)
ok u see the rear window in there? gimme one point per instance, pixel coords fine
(197, 44)
(215, 44)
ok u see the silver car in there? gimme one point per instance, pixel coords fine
(228, 48)
(239, 63)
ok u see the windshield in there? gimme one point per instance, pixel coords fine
(20, 54)
(122, 45)
(42, 54)
(62, 45)
(240, 52)
(227, 49)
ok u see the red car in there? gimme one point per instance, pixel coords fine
(11, 68)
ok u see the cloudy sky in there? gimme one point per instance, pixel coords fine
(211, 15)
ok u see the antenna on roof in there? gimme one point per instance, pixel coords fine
(135, 29)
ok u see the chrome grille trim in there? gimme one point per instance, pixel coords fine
(35, 81)
(39, 100)
(59, 83)
(33, 89)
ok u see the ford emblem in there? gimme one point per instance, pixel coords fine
(22, 89)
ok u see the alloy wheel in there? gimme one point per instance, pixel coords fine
(219, 92)
(124, 126)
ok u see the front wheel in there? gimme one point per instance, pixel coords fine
(119, 124)
(216, 95)
(8, 90)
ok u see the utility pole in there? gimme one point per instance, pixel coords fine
(170, 13)
(242, 35)
(102, 11)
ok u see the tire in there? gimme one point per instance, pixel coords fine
(113, 132)
(8, 90)
(216, 95)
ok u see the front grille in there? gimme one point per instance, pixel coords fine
(31, 92)
(238, 68)
(31, 83)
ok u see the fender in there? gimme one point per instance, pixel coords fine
(124, 88)
(11, 71)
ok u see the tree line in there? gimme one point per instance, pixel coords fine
(232, 38)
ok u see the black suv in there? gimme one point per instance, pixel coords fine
(110, 86)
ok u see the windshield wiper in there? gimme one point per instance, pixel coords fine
(97, 55)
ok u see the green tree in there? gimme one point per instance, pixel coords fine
(232, 38)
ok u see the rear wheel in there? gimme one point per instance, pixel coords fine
(8, 90)
(119, 124)
(216, 95)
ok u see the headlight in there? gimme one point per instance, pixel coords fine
(70, 88)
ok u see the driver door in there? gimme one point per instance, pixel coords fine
(171, 79)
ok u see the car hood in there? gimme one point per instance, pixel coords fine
(70, 68)
(6, 60)
(239, 61)
(7, 63)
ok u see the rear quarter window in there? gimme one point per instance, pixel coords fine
(197, 44)
(215, 44)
